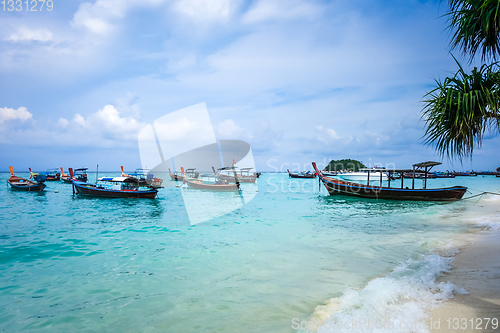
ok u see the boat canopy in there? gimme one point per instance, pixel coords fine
(426, 164)
(386, 170)
(119, 179)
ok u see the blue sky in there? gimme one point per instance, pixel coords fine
(299, 80)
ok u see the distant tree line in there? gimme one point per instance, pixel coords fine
(345, 164)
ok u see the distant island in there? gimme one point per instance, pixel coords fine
(345, 164)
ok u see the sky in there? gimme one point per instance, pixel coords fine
(299, 80)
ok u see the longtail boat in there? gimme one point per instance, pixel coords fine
(78, 174)
(335, 186)
(39, 177)
(179, 176)
(307, 174)
(218, 185)
(52, 174)
(22, 184)
(64, 177)
(113, 187)
(145, 178)
(234, 175)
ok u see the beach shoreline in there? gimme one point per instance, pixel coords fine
(475, 268)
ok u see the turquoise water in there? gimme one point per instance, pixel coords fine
(70, 263)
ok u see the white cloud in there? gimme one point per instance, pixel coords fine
(228, 129)
(25, 34)
(62, 122)
(282, 10)
(99, 17)
(108, 121)
(183, 129)
(331, 132)
(78, 119)
(104, 128)
(11, 114)
(94, 17)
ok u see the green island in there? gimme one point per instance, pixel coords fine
(344, 164)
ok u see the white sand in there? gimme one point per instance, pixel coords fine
(476, 268)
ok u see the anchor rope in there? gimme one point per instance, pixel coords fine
(480, 194)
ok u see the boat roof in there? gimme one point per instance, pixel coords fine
(119, 179)
(235, 168)
(426, 164)
(386, 170)
(142, 170)
(81, 169)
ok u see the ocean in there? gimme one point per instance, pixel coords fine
(292, 259)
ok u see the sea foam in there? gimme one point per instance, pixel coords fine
(398, 302)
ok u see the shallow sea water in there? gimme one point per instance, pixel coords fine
(71, 263)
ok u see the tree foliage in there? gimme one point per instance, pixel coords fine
(476, 25)
(459, 110)
(344, 164)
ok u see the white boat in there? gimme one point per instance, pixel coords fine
(362, 176)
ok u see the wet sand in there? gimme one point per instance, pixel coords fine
(476, 268)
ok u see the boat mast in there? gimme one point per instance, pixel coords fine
(413, 179)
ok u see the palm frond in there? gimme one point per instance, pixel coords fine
(476, 26)
(460, 109)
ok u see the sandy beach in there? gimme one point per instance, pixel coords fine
(476, 268)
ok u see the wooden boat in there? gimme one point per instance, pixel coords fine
(464, 174)
(233, 174)
(336, 186)
(114, 187)
(78, 174)
(52, 174)
(218, 185)
(64, 177)
(307, 174)
(190, 173)
(215, 185)
(38, 177)
(443, 175)
(145, 178)
(22, 184)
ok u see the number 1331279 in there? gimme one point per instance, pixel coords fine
(27, 5)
